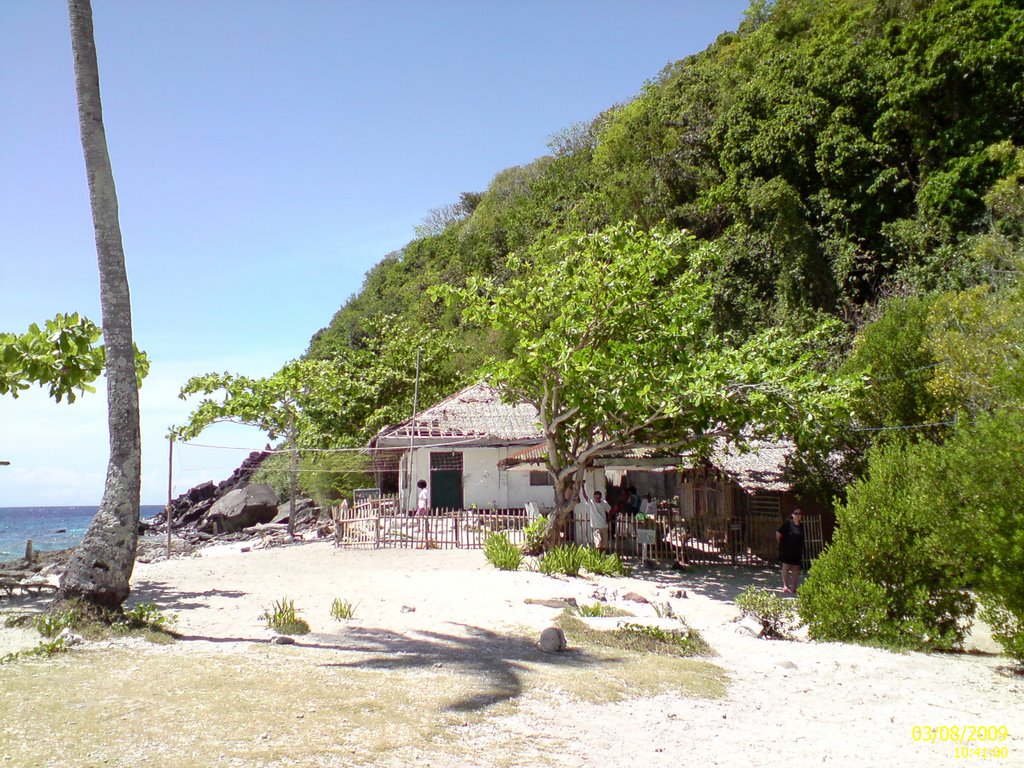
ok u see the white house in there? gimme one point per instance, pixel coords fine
(456, 446)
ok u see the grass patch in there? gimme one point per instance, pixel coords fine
(599, 609)
(330, 704)
(639, 638)
(283, 617)
(342, 610)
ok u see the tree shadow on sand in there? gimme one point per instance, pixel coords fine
(167, 598)
(718, 582)
(497, 661)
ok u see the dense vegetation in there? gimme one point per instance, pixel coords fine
(859, 161)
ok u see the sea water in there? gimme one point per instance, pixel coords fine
(50, 528)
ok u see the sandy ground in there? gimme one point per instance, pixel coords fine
(787, 703)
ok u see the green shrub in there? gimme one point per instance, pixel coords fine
(44, 650)
(52, 624)
(603, 564)
(778, 617)
(894, 573)
(566, 559)
(502, 553)
(145, 616)
(595, 609)
(283, 617)
(1007, 628)
(533, 543)
(342, 610)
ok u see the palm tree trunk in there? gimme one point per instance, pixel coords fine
(100, 570)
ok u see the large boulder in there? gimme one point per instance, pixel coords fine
(243, 507)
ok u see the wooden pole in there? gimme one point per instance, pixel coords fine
(170, 485)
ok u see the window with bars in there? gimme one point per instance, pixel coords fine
(451, 461)
(540, 477)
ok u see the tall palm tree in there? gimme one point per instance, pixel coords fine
(102, 566)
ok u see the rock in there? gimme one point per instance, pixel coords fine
(408, 609)
(552, 640)
(283, 640)
(305, 510)
(555, 602)
(69, 637)
(243, 507)
(634, 597)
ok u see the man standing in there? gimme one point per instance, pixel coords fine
(791, 550)
(598, 509)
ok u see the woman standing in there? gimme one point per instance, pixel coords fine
(791, 550)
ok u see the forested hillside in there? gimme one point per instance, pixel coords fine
(833, 181)
(832, 154)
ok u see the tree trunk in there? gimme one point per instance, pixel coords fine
(567, 491)
(101, 567)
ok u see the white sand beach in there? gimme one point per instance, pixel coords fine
(447, 618)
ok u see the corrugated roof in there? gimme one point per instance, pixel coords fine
(474, 414)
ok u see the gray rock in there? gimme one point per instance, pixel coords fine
(635, 597)
(243, 507)
(552, 640)
(305, 509)
(283, 640)
(69, 637)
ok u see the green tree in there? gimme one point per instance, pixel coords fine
(64, 356)
(100, 569)
(279, 405)
(609, 336)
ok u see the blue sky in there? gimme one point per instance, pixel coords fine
(266, 155)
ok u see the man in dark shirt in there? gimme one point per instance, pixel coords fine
(791, 550)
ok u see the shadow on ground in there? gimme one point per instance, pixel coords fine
(718, 582)
(167, 598)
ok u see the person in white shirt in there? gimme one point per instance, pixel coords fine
(598, 509)
(422, 499)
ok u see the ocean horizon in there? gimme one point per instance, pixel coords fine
(49, 528)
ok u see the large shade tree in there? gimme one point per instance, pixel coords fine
(100, 569)
(609, 335)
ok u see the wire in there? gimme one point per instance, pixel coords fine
(904, 426)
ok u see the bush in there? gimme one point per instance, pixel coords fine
(602, 564)
(566, 559)
(778, 617)
(534, 536)
(283, 617)
(894, 573)
(502, 553)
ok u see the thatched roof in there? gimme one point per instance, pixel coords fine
(476, 415)
(761, 468)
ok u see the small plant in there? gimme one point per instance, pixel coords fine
(45, 650)
(341, 610)
(778, 617)
(502, 553)
(596, 609)
(283, 617)
(567, 559)
(145, 616)
(602, 564)
(534, 536)
(52, 624)
(665, 611)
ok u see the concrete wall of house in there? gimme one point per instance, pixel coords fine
(483, 483)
